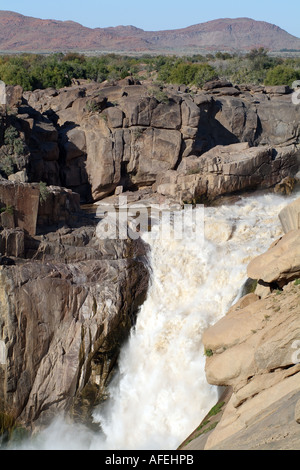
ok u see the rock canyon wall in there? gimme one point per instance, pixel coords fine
(96, 139)
(69, 299)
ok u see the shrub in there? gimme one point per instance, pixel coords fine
(7, 163)
(282, 75)
(7, 210)
(13, 141)
(192, 74)
(13, 148)
(208, 353)
(158, 94)
(44, 192)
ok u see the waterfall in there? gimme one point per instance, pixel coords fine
(160, 393)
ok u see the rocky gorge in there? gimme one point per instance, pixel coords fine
(68, 299)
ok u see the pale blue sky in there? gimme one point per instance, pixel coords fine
(154, 15)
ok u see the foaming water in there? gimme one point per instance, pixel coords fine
(160, 393)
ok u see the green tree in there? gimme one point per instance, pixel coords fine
(282, 75)
(261, 52)
(192, 74)
(14, 74)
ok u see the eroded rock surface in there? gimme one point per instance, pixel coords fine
(93, 138)
(68, 300)
(62, 324)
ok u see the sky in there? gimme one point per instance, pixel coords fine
(155, 15)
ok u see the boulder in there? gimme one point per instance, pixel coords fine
(238, 117)
(23, 201)
(226, 91)
(286, 186)
(102, 167)
(166, 115)
(19, 177)
(66, 97)
(73, 141)
(227, 169)
(278, 121)
(62, 323)
(212, 84)
(278, 90)
(252, 350)
(115, 117)
(290, 216)
(14, 96)
(12, 243)
(154, 151)
(60, 206)
(29, 207)
(190, 113)
(44, 152)
(281, 263)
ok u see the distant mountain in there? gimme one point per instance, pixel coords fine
(20, 33)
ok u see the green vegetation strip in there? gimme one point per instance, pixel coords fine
(37, 71)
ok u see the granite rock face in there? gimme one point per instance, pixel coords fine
(290, 217)
(227, 169)
(20, 204)
(28, 206)
(93, 138)
(68, 300)
(62, 325)
(281, 263)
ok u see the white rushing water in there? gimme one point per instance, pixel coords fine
(160, 393)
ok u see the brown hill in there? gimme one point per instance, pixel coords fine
(20, 33)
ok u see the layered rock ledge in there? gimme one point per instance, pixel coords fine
(96, 139)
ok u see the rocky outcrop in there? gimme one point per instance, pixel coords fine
(68, 300)
(227, 169)
(20, 204)
(290, 217)
(258, 360)
(254, 352)
(93, 138)
(62, 323)
(280, 264)
(32, 206)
